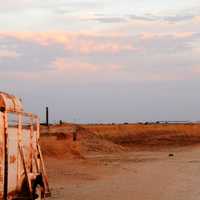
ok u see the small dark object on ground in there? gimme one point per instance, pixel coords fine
(171, 155)
(61, 136)
(74, 135)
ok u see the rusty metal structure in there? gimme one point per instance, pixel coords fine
(22, 170)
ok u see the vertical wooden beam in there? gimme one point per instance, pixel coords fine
(5, 191)
(25, 168)
(19, 141)
(47, 116)
(44, 173)
(31, 143)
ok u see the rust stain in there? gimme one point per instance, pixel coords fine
(1, 175)
(12, 159)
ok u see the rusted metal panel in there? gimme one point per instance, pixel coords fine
(10, 102)
(19, 149)
(12, 159)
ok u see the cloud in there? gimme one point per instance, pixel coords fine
(178, 18)
(91, 57)
(66, 65)
(14, 6)
(177, 35)
(196, 69)
(145, 18)
(82, 43)
(170, 18)
(197, 19)
(63, 65)
(90, 44)
(165, 43)
(22, 76)
(106, 19)
(7, 54)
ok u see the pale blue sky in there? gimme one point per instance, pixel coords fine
(103, 60)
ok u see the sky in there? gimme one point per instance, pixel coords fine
(103, 60)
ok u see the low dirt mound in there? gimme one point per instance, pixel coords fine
(52, 147)
(57, 141)
(96, 144)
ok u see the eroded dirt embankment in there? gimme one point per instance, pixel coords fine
(57, 140)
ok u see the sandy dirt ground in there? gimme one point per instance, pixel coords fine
(135, 175)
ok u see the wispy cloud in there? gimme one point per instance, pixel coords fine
(82, 43)
(105, 19)
(176, 18)
(8, 54)
(121, 56)
(170, 18)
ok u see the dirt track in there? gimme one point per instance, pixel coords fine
(140, 175)
(123, 162)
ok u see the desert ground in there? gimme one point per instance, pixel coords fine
(123, 162)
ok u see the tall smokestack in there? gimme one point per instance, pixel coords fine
(47, 116)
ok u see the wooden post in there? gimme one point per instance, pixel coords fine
(74, 133)
(5, 191)
(47, 116)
